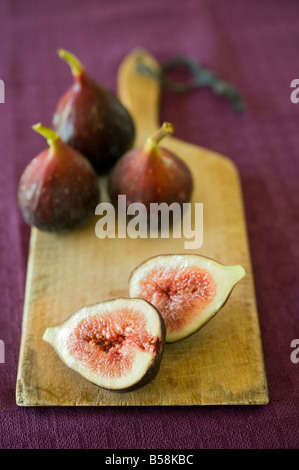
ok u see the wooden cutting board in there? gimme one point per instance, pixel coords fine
(222, 363)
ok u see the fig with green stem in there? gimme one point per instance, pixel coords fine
(151, 174)
(90, 118)
(59, 189)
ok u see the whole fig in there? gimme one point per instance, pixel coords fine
(58, 189)
(90, 118)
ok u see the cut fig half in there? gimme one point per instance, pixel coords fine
(116, 344)
(188, 290)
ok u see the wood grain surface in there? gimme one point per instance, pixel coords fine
(222, 363)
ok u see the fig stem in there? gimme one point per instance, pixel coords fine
(49, 134)
(77, 68)
(165, 130)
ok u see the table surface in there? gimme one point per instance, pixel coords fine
(251, 44)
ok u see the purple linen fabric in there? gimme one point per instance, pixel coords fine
(252, 44)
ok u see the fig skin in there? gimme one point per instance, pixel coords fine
(58, 189)
(151, 174)
(91, 119)
(154, 367)
(226, 278)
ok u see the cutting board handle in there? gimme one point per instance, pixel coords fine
(140, 93)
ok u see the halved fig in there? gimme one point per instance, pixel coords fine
(116, 344)
(188, 290)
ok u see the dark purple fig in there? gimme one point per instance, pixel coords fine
(90, 118)
(116, 344)
(151, 174)
(59, 188)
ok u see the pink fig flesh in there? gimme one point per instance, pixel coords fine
(179, 294)
(188, 290)
(117, 344)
